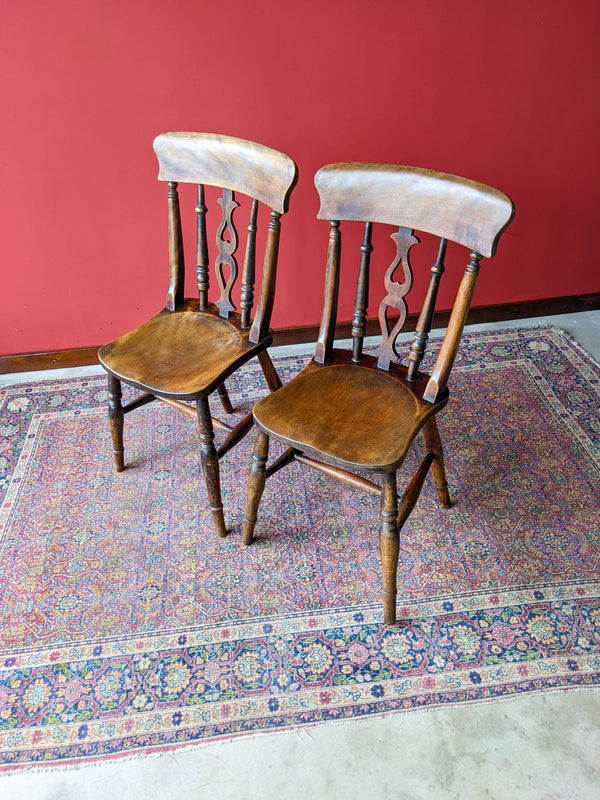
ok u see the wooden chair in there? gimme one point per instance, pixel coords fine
(185, 352)
(362, 412)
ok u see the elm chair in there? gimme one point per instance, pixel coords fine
(184, 353)
(347, 411)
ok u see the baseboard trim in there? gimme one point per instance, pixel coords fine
(85, 356)
(571, 304)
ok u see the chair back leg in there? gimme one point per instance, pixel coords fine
(224, 398)
(270, 373)
(434, 444)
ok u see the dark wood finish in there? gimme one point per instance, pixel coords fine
(186, 352)
(202, 262)
(348, 412)
(270, 373)
(140, 401)
(191, 411)
(299, 334)
(249, 274)
(356, 481)
(256, 485)
(396, 292)
(330, 300)
(465, 211)
(260, 326)
(458, 318)
(236, 435)
(210, 465)
(52, 359)
(389, 545)
(227, 162)
(224, 398)
(326, 409)
(423, 326)
(176, 260)
(227, 248)
(361, 300)
(115, 419)
(433, 443)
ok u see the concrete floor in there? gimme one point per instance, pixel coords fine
(536, 747)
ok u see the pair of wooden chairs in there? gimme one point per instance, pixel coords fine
(347, 412)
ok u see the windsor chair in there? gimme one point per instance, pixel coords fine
(185, 353)
(349, 411)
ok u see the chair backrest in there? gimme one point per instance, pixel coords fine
(454, 209)
(265, 175)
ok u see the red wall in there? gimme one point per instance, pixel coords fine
(503, 92)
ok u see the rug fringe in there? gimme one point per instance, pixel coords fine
(302, 732)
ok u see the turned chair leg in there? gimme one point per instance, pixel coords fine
(115, 420)
(389, 546)
(210, 465)
(256, 485)
(270, 373)
(224, 397)
(434, 444)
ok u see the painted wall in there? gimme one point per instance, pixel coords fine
(506, 93)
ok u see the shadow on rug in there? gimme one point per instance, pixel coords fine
(128, 626)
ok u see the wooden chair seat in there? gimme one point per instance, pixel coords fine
(358, 415)
(184, 356)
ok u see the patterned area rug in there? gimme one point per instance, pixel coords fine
(128, 626)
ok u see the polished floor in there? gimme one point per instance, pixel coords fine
(537, 747)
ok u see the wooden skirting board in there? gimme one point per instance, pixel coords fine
(84, 356)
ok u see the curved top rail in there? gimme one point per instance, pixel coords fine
(228, 162)
(458, 209)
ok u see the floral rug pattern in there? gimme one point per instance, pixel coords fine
(126, 625)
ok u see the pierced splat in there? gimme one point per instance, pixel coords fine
(227, 248)
(404, 240)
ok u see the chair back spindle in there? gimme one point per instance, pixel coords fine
(330, 299)
(445, 360)
(202, 262)
(423, 328)
(361, 300)
(176, 259)
(249, 271)
(260, 325)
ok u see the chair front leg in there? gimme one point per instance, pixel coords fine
(389, 546)
(115, 420)
(210, 465)
(256, 485)
(434, 444)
